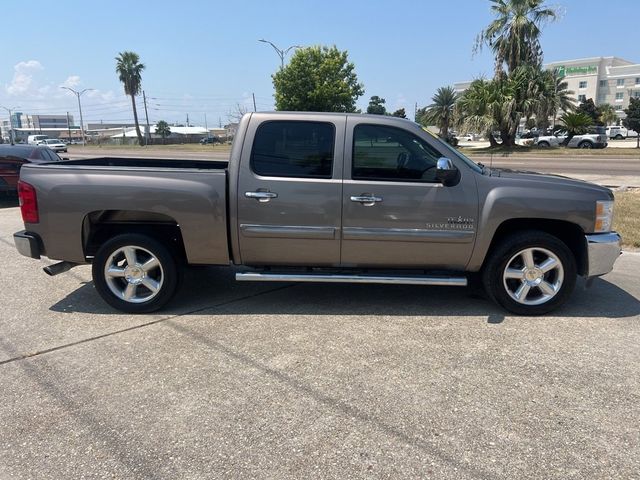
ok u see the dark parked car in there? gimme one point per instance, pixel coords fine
(12, 157)
(209, 140)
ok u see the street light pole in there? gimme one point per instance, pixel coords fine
(11, 138)
(281, 53)
(77, 94)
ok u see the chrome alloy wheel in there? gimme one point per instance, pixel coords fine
(133, 274)
(533, 276)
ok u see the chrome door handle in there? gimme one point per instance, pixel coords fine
(262, 197)
(366, 200)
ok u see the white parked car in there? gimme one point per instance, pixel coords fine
(620, 133)
(54, 144)
(596, 137)
(469, 137)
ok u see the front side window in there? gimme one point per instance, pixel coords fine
(293, 149)
(387, 153)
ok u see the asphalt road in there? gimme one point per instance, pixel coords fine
(304, 381)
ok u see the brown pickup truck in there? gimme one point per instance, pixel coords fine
(315, 197)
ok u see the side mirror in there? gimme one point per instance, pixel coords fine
(446, 172)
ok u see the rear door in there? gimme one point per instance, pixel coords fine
(290, 190)
(395, 212)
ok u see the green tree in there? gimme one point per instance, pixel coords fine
(607, 114)
(162, 129)
(632, 121)
(317, 79)
(557, 98)
(376, 106)
(514, 34)
(400, 113)
(588, 107)
(576, 123)
(129, 70)
(440, 112)
(479, 109)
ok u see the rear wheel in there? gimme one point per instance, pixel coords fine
(543, 144)
(585, 145)
(135, 273)
(530, 273)
(619, 137)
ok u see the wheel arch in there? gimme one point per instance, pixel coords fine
(569, 233)
(101, 225)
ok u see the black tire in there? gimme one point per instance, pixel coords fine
(544, 144)
(619, 137)
(585, 144)
(506, 253)
(164, 277)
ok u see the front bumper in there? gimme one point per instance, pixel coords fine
(603, 249)
(28, 244)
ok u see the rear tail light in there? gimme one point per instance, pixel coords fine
(28, 202)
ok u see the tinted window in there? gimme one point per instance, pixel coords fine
(388, 153)
(293, 149)
(16, 151)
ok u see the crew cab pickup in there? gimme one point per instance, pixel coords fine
(315, 197)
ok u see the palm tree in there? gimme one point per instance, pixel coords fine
(607, 114)
(162, 129)
(477, 109)
(440, 112)
(576, 124)
(557, 97)
(514, 35)
(129, 70)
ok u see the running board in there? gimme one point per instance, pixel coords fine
(329, 278)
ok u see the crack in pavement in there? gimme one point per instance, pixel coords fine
(136, 327)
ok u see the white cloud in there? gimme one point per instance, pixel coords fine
(71, 81)
(23, 77)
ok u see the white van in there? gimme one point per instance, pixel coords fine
(36, 139)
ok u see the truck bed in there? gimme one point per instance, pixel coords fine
(155, 163)
(75, 194)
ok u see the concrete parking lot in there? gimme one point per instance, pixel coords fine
(305, 381)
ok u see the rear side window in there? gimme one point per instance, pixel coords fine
(293, 149)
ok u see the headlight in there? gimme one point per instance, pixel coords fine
(604, 216)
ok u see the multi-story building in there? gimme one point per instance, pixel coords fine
(55, 126)
(609, 80)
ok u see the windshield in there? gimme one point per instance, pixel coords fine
(478, 168)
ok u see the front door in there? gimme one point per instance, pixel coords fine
(395, 212)
(290, 190)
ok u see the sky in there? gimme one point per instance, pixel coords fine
(203, 58)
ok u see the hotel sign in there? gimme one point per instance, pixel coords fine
(586, 70)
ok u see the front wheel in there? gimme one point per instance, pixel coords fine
(135, 273)
(530, 273)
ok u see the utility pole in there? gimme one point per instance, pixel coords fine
(78, 94)
(415, 113)
(254, 102)
(146, 113)
(11, 138)
(281, 53)
(69, 127)
(187, 120)
(206, 127)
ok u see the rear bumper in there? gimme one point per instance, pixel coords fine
(603, 249)
(28, 244)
